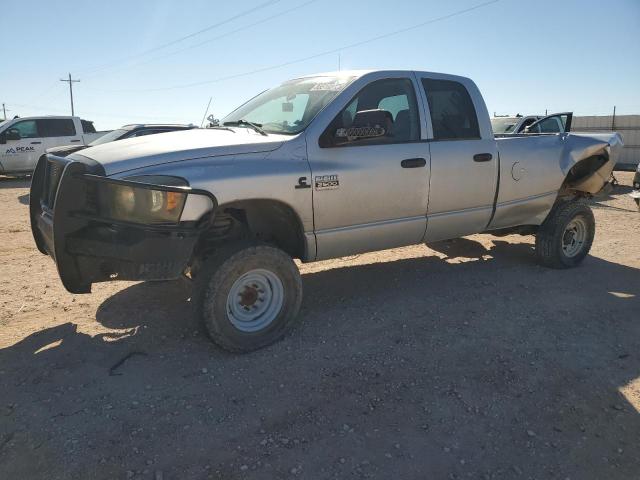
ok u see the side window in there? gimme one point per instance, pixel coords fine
(550, 125)
(526, 123)
(53, 127)
(87, 126)
(383, 112)
(452, 112)
(26, 129)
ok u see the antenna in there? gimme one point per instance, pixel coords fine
(205, 112)
(71, 82)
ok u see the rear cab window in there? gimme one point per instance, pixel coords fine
(453, 115)
(87, 126)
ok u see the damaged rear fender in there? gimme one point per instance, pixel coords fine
(589, 160)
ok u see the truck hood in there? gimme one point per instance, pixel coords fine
(134, 153)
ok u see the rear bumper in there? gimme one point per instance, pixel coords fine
(88, 249)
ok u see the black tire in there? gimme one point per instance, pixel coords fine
(552, 235)
(218, 275)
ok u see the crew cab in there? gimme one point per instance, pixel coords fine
(318, 167)
(127, 131)
(24, 140)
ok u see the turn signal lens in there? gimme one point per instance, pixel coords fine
(173, 200)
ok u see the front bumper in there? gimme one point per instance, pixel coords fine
(89, 249)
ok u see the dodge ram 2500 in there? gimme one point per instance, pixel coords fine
(318, 167)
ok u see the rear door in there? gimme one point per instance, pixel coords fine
(59, 131)
(464, 158)
(21, 155)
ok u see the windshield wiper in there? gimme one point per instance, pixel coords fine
(243, 123)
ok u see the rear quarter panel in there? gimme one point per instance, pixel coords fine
(530, 176)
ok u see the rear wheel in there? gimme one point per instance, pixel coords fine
(248, 296)
(566, 235)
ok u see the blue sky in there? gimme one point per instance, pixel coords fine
(579, 55)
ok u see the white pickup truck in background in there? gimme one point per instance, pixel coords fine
(24, 140)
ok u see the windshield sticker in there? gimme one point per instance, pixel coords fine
(334, 86)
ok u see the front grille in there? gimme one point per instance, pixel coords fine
(52, 179)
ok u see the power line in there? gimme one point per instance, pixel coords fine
(178, 40)
(321, 54)
(218, 37)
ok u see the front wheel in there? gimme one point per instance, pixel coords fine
(248, 296)
(566, 235)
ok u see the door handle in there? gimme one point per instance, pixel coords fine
(413, 163)
(36, 143)
(482, 157)
(72, 141)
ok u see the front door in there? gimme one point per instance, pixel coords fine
(370, 173)
(21, 155)
(464, 161)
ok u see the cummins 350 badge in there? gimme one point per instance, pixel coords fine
(327, 182)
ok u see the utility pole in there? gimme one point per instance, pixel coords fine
(71, 82)
(4, 111)
(613, 119)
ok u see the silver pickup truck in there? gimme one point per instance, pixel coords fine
(319, 167)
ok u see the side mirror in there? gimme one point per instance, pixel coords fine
(12, 134)
(3, 138)
(366, 124)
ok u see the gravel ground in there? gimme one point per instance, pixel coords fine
(461, 360)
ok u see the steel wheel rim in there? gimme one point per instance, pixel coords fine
(574, 237)
(255, 300)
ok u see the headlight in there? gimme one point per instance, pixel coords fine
(140, 204)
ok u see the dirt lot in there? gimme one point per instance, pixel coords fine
(463, 360)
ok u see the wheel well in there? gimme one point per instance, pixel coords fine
(588, 176)
(584, 168)
(269, 221)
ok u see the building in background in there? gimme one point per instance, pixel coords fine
(628, 126)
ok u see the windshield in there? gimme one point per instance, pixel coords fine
(109, 137)
(290, 107)
(504, 124)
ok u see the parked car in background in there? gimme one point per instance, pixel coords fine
(635, 193)
(127, 131)
(515, 124)
(554, 123)
(316, 168)
(24, 140)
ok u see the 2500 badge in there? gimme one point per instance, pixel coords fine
(327, 182)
